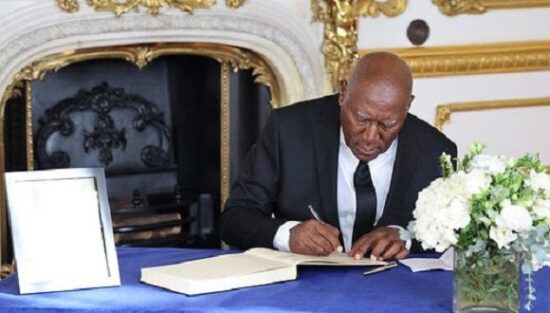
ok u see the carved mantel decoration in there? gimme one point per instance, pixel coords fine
(456, 7)
(153, 6)
(340, 35)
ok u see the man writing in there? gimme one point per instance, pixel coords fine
(359, 158)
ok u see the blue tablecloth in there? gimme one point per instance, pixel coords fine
(317, 289)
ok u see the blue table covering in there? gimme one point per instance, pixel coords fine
(317, 289)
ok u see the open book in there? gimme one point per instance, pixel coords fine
(258, 266)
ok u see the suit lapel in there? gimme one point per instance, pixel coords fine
(326, 131)
(403, 170)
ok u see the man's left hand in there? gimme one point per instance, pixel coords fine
(382, 243)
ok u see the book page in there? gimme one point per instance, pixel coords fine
(334, 259)
(238, 264)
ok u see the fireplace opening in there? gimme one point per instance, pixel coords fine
(170, 137)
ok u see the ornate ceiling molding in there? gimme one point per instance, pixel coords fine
(340, 34)
(456, 7)
(120, 7)
(476, 59)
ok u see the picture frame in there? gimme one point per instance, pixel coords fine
(61, 230)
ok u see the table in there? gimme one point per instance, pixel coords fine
(317, 289)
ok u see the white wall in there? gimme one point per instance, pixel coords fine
(495, 26)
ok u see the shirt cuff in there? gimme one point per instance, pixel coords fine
(282, 237)
(408, 243)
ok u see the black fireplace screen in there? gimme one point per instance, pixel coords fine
(156, 131)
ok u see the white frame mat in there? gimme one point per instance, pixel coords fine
(61, 230)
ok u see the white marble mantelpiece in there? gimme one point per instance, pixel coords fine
(279, 31)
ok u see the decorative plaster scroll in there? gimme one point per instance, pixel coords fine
(340, 34)
(476, 59)
(456, 7)
(153, 6)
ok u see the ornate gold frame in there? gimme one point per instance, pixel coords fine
(229, 57)
(456, 7)
(340, 34)
(153, 6)
(225, 121)
(444, 111)
(476, 59)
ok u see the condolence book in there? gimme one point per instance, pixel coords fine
(254, 267)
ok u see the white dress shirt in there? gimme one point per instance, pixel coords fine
(381, 170)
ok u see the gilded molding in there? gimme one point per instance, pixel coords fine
(141, 56)
(373, 8)
(238, 58)
(28, 122)
(444, 111)
(153, 6)
(340, 33)
(225, 140)
(456, 7)
(476, 59)
(5, 270)
(234, 3)
(120, 7)
(70, 6)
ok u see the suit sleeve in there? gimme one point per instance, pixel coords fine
(247, 218)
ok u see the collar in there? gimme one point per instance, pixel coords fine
(381, 158)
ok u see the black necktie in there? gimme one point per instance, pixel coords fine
(366, 201)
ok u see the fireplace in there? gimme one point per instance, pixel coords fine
(267, 42)
(161, 130)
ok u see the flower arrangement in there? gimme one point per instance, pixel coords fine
(490, 209)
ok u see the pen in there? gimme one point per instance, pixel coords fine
(381, 268)
(317, 217)
(314, 213)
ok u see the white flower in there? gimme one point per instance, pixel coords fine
(539, 181)
(441, 210)
(475, 182)
(502, 236)
(541, 209)
(492, 164)
(514, 217)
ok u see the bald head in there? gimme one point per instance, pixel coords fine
(374, 103)
(382, 66)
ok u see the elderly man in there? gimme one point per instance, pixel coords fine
(358, 159)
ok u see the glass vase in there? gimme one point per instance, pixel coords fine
(486, 283)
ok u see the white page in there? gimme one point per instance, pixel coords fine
(336, 258)
(218, 267)
(445, 262)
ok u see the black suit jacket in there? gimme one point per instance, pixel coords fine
(294, 164)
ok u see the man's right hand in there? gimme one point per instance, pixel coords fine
(314, 237)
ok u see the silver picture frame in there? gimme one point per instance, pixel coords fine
(61, 230)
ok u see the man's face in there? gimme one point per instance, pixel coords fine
(372, 114)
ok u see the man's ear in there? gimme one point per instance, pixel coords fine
(343, 89)
(410, 102)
